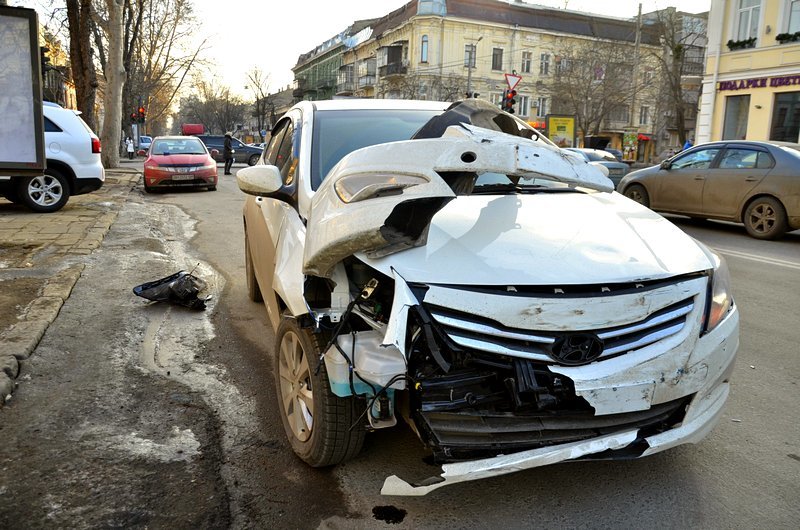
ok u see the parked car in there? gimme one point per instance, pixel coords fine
(145, 142)
(755, 183)
(179, 162)
(616, 169)
(243, 154)
(452, 267)
(616, 152)
(72, 152)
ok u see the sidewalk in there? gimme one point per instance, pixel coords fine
(41, 258)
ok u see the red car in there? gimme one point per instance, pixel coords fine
(177, 162)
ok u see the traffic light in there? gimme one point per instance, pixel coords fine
(509, 101)
(142, 114)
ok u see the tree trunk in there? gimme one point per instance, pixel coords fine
(79, 18)
(115, 81)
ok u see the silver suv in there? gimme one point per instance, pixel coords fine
(73, 164)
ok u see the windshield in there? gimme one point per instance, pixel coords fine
(340, 132)
(600, 156)
(182, 146)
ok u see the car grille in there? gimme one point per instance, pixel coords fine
(615, 171)
(476, 333)
(452, 433)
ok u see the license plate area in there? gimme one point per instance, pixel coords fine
(182, 177)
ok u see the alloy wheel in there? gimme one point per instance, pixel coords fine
(45, 190)
(295, 382)
(763, 218)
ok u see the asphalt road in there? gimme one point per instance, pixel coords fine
(202, 384)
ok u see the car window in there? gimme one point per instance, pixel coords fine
(738, 158)
(765, 161)
(236, 143)
(340, 132)
(285, 161)
(49, 126)
(274, 145)
(700, 159)
(187, 146)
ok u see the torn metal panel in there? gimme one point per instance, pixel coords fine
(288, 280)
(381, 199)
(504, 464)
(403, 300)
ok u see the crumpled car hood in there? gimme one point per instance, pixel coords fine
(546, 239)
(386, 223)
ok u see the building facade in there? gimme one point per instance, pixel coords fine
(751, 86)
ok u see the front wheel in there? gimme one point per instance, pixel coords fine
(637, 193)
(319, 424)
(44, 193)
(765, 218)
(253, 160)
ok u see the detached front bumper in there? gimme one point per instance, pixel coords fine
(706, 378)
(708, 409)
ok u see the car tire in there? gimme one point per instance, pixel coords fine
(636, 192)
(253, 160)
(44, 193)
(319, 424)
(765, 218)
(253, 290)
(148, 189)
(212, 188)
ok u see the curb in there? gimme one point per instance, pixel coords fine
(22, 338)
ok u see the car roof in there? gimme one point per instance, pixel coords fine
(377, 104)
(175, 137)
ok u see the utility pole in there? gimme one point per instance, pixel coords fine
(473, 51)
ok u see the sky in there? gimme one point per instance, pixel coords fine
(272, 34)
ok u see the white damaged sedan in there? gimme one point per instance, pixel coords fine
(452, 267)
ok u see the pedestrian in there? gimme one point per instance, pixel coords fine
(129, 147)
(688, 144)
(227, 152)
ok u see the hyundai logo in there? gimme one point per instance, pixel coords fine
(577, 348)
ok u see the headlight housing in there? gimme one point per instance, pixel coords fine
(354, 188)
(719, 301)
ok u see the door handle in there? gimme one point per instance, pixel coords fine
(750, 179)
(698, 177)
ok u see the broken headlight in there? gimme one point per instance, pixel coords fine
(354, 188)
(720, 300)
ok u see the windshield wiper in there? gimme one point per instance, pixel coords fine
(513, 188)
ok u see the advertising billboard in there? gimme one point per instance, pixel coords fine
(561, 130)
(21, 125)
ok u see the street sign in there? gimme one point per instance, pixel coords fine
(512, 80)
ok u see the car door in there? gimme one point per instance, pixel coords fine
(680, 188)
(738, 170)
(240, 154)
(266, 219)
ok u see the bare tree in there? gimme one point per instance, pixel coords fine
(450, 87)
(683, 43)
(263, 107)
(115, 81)
(214, 106)
(84, 74)
(591, 80)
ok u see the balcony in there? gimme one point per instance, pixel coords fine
(345, 88)
(392, 69)
(366, 81)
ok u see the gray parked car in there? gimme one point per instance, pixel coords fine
(242, 153)
(755, 183)
(616, 169)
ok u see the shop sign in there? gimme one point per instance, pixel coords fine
(760, 82)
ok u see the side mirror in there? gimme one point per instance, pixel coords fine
(259, 180)
(214, 153)
(666, 164)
